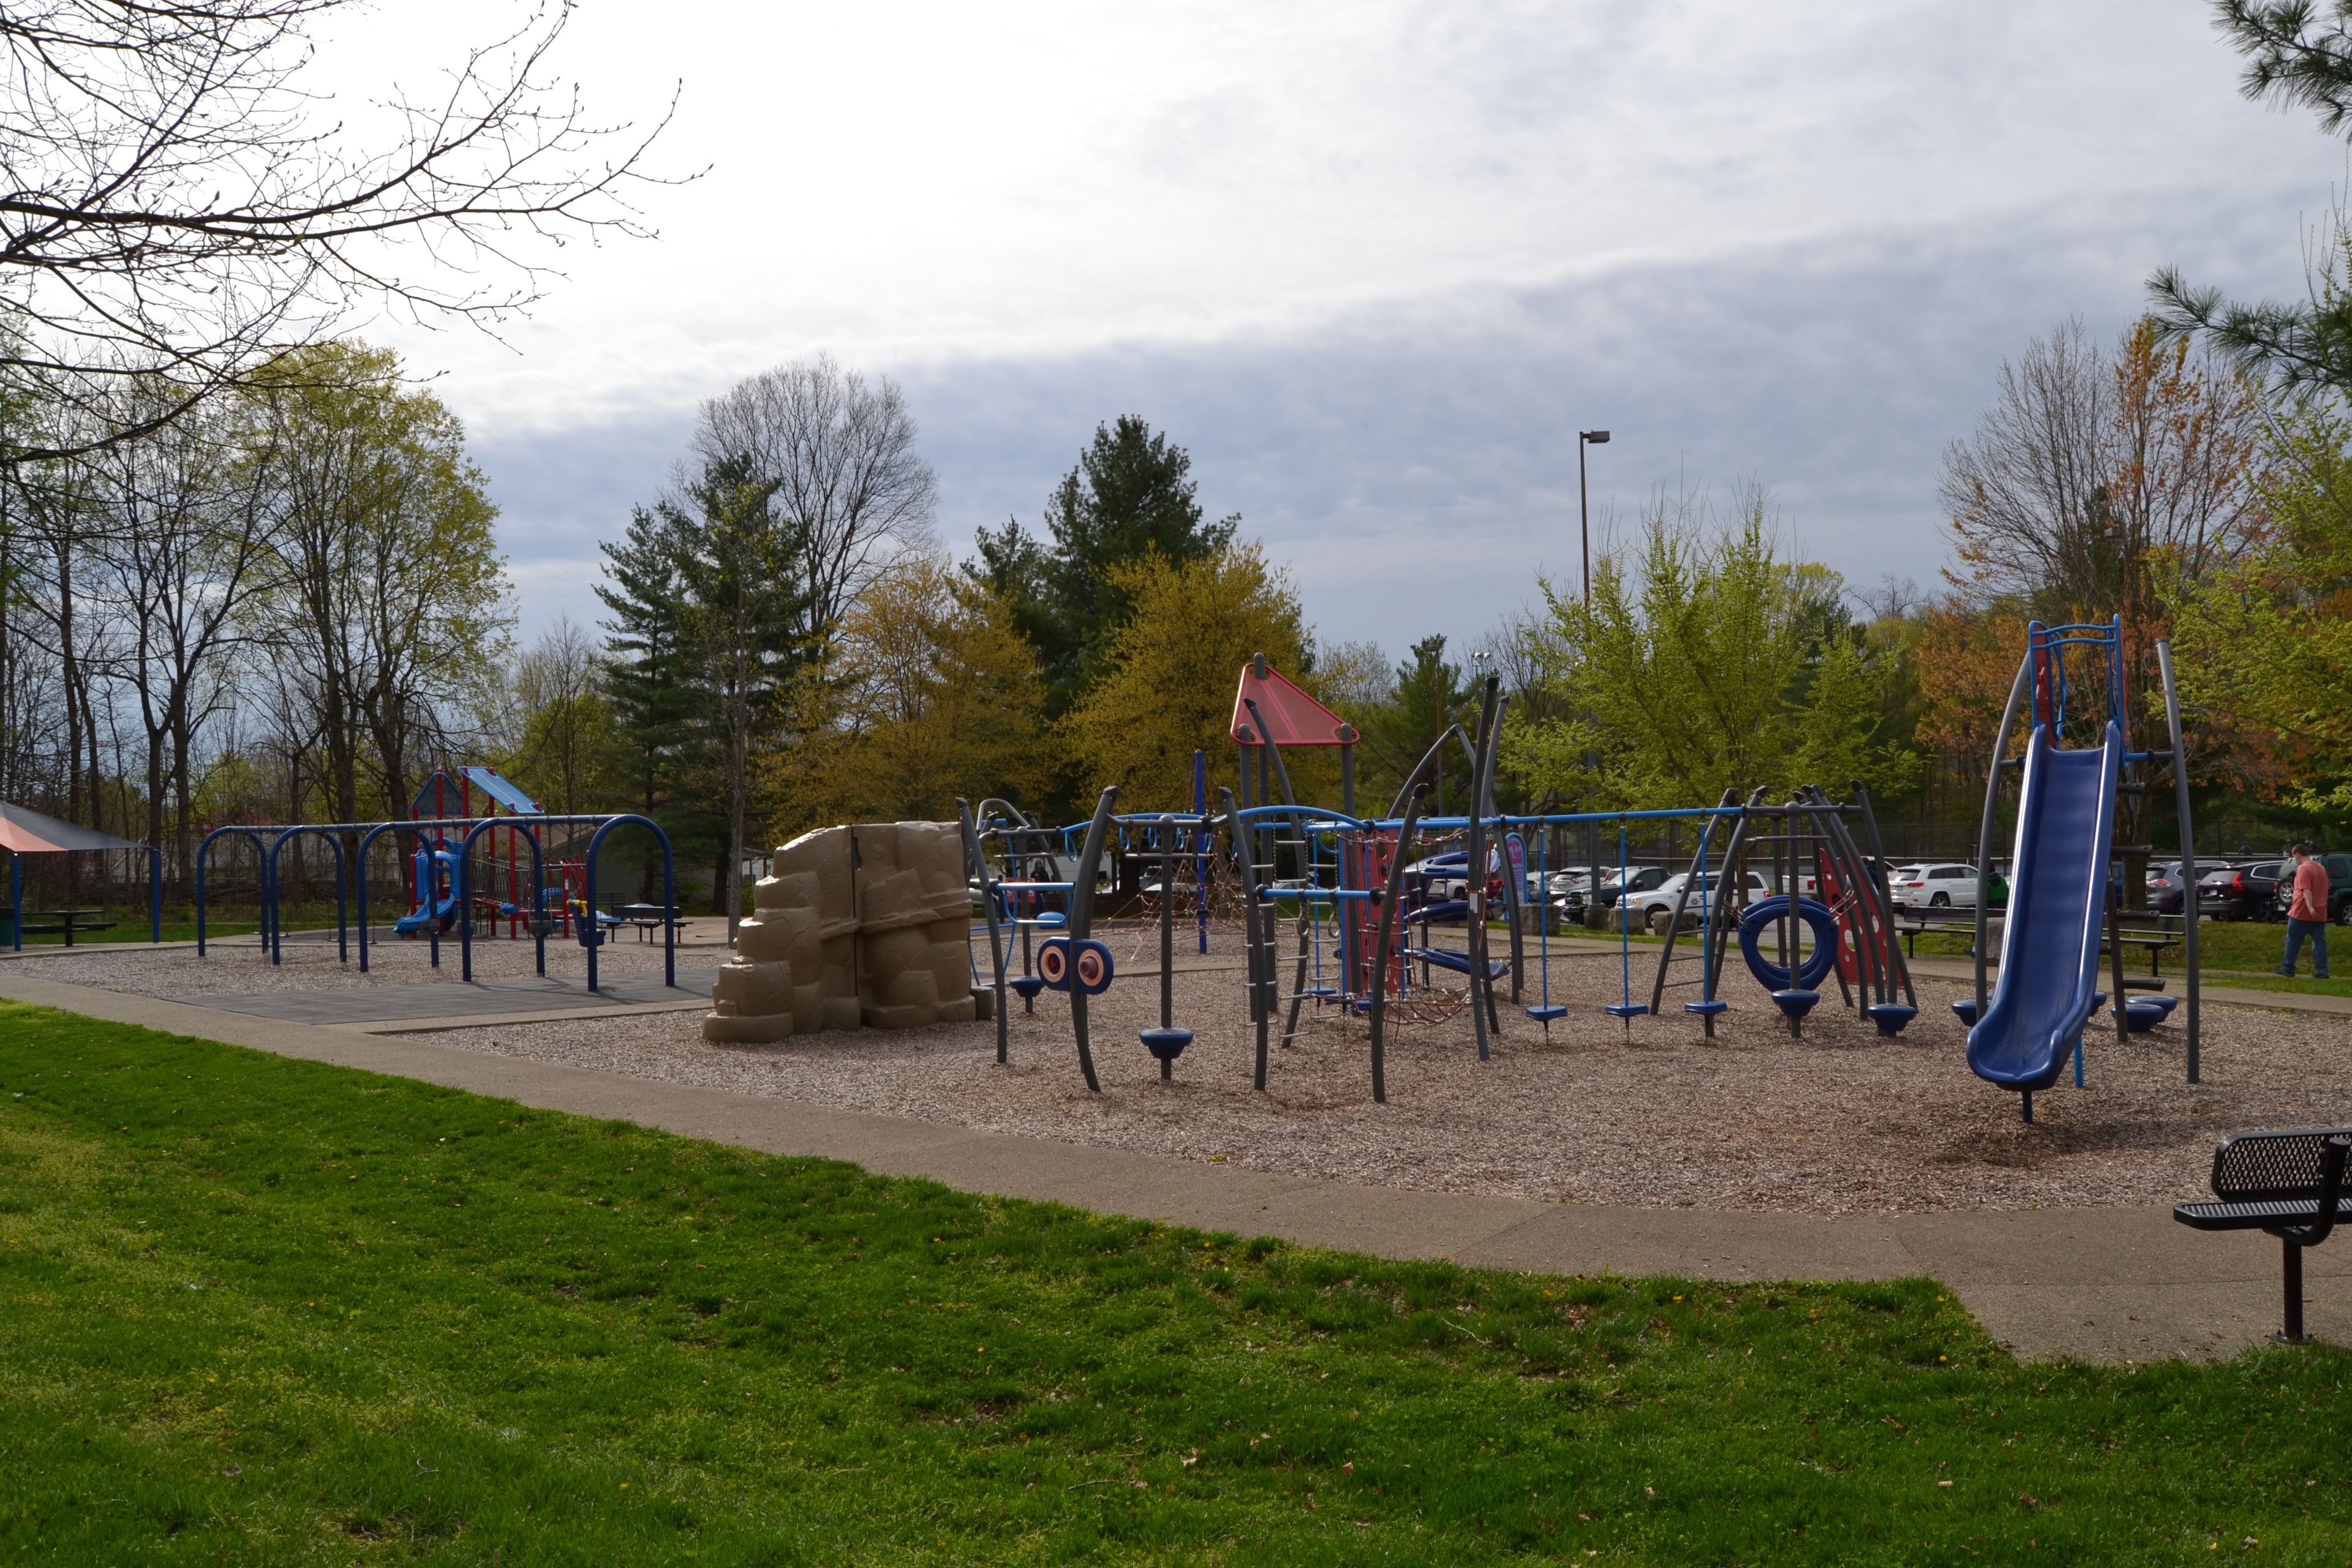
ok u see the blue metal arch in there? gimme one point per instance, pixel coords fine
(594, 934)
(274, 939)
(204, 855)
(465, 895)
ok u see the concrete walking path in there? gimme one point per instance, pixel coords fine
(2125, 1284)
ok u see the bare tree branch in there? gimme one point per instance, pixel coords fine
(168, 199)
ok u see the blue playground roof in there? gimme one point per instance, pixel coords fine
(501, 789)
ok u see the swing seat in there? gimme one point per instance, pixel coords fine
(1028, 985)
(1167, 1044)
(1320, 993)
(1050, 918)
(1707, 1009)
(2165, 1003)
(1965, 1009)
(1627, 1009)
(1546, 1014)
(1796, 1003)
(1890, 1017)
(2140, 1018)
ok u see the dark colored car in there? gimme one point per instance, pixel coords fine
(2166, 893)
(2339, 887)
(2247, 892)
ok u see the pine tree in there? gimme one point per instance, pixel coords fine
(1131, 495)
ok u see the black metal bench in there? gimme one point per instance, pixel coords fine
(2287, 1185)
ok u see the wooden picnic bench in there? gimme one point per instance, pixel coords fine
(2289, 1184)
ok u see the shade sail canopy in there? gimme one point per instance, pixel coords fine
(1294, 718)
(27, 832)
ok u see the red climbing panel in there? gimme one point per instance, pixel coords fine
(1296, 718)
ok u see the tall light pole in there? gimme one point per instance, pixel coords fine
(1584, 506)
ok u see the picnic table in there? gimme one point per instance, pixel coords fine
(2156, 939)
(648, 918)
(56, 922)
(1910, 930)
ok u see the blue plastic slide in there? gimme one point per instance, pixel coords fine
(429, 910)
(2057, 900)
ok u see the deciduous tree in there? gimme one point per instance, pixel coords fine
(1704, 662)
(1167, 686)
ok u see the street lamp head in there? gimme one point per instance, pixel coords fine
(1598, 438)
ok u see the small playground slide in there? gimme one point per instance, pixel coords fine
(444, 914)
(2057, 900)
(435, 894)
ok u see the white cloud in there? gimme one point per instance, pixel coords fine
(1373, 262)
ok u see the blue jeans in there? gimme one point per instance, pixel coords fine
(2317, 931)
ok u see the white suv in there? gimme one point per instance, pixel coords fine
(1657, 905)
(1913, 889)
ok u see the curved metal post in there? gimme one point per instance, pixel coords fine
(465, 889)
(976, 866)
(1389, 916)
(1878, 858)
(2017, 689)
(203, 853)
(595, 933)
(1082, 915)
(1405, 792)
(1482, 981)
(1301, 928)
(1260, 962)
(2189, 918)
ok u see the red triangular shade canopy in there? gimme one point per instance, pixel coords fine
(1294, 718)
(27, 832)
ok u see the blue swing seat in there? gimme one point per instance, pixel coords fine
(1028, 985)
(1707, 1009)
(1890, 1017)
(1965, 1009)
(1796, 1003)
(1546, 1013)
(1627, 1009)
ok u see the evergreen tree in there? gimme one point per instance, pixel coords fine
(1430, 695)
(653, 701)
(1131, 495)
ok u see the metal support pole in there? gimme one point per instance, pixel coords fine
(2017, 689)
(1082, 915)
(977, 864)
(2189, 913)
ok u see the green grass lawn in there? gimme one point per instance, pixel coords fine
(262, 1311)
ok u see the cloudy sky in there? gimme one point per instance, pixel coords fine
(1373, 263)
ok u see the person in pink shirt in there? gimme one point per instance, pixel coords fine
(2307, 916)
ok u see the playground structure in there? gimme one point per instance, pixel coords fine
(1365, 898)
(2024, 1035)
(455, 878)
(435, 874)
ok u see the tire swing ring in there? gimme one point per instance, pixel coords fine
(1814, 969)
